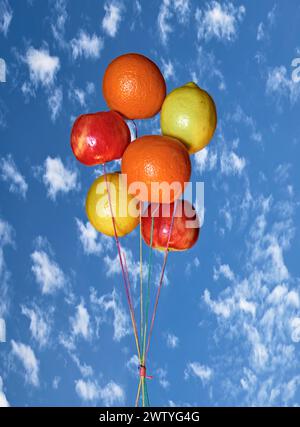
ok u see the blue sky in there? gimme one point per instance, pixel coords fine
(228, 326)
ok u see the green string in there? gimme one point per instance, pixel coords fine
(147, 396)
(144, 398)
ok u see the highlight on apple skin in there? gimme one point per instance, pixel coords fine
(99, 137)
(185, 228)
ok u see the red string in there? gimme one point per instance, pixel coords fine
(125, 274)
(160, 282)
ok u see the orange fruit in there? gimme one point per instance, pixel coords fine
(157, 168)
(134, 86)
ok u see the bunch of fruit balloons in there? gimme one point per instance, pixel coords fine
(155, 169)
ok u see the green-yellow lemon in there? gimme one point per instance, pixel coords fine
(100, 203)
(189, 114)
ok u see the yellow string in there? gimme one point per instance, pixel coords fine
(138, 393)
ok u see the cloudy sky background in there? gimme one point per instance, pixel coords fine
(228, 326)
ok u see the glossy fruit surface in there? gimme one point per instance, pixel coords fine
(134, 86)
(98, 206)
(160, 164)
(99, 137)
(189, 114)
(185, 228)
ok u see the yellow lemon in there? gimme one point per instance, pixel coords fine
(189, 114)
(100, 202)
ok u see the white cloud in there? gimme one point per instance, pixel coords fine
(219, 21)
(40, 324)
(205, 160)
(258, 313)
(289, 389)
(43, 69)
(200, 371)
(110, 394)
(3, 400)
(67, 342)
(86, 45)
(220, 158)
(47, 272)
(295, 329)
(112, 18)
(280, 85)
(87, 390)
(223, 270)
(221, 308)
(112, 303)
(55, 102)
(264, 27)
(78, 95)
(136, 13)
(133, 266)
(194, 264)
(162, 377)
(208, 68)
(2, 330)
(81, 322)
(271, 17)
(247, 307)
(169, 9)
(42, 66)
(81, 96)
(57, 177)
(133, 364)
(89, 238)
(260, 32)
(59, 20)
(231, 163)
(282, 172)
(259, 354)
(10, 174)
(30, 363)
(271, 253)
(85, 370)
(168, 69)
(6, 15)
(55, 382)
(239, 116)
(3, 113)
(226, 213)
(172, 341)
(6, 239)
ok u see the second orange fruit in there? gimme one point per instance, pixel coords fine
(157, 168)
(134, 86)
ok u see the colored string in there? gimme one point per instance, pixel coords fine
(161, 280)
(141, 274)
(125, 275)
(138, 393)
(148, 291)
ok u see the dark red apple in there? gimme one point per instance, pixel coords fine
(99, 137)
(185, 229)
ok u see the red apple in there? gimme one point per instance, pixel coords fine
(185, 229)
(99, 137)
